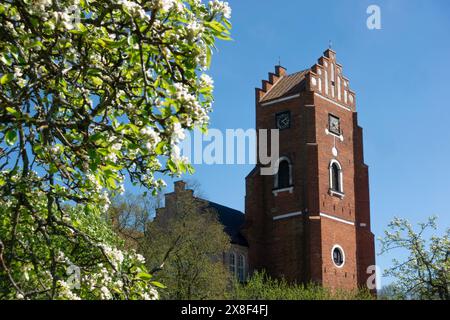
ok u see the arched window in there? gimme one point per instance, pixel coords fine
(283, 178)
(241, 268)
(336, 177)
(232, 263)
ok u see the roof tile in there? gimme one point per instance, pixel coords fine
(286, 86)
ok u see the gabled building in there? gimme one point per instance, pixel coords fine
(310, 221)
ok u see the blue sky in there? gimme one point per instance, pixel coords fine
(399, 73)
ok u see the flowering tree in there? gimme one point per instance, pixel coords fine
(92, 93)
(425, 272)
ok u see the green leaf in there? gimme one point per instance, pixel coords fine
(144, 276)
(6, 78)
(158, 284)
(208, 57)
(171, 165)
(52, 168)
(13, 111)
(97, 81)
(11, 137)
(160, 148)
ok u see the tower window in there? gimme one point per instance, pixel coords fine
(337, 254)
(335, 177)
(283, 178)
(336, 185)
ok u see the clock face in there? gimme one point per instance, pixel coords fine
(334, 125)
(283, 120)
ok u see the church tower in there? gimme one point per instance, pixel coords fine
(311, 220)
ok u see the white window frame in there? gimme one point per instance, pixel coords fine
(339, 192)
(336, 246)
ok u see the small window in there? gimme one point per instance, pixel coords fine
(283, 120)
(241, 268)
(232, 263)
(334, 124)
(336, 183)
(283, 175)
(335, 179)
(338, 256)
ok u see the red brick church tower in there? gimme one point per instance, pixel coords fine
(311, 220)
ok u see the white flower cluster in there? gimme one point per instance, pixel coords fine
(106, 294)
(134, 9)
(152, 137)
(195, 28)
(93, 181)
(104, 200)
(68, 18)
(177, 132)
(115, 256)
(54, 149)
(222, 7)
(206, 81)
(41, 5)
(167, 5)
(140, 258)
(151, 295)
(192, 106)
(202, 59)
(104, 281)
(65, 291)
(18, 77)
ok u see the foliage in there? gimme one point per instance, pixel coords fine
(262, 287)
(130, 215)
(425, 272)
(183, 245)
(63, 259)
(390, 292)
(92, 92)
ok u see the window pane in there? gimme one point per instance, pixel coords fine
(241, 268)
(283, 175)
(232, 263)
(335, 177)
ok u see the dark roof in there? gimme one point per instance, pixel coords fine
(286, 86)
(232, 221)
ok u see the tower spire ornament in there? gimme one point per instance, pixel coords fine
(330, 44)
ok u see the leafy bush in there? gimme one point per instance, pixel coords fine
(262, 287)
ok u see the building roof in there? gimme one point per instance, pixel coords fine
(286, 86)
(232, 221)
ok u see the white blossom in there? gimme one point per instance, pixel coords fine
(40, 5)
(134, 9)
(177, 132)
(106, 294)
(65, 291)
(206, 80)
(140, 258)
(167, 5)
(152, 137)
(121, 189)
(222, 7)
(194, 27)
